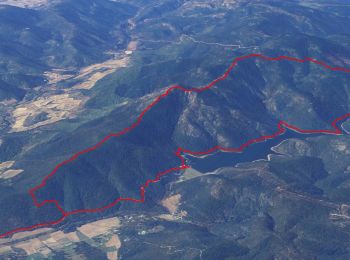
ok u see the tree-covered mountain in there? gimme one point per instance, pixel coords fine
(293, 204)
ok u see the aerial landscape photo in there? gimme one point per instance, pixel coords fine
(174, 129)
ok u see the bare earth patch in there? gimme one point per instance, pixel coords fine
(131, 47)
(6, 165)
(56, 76)
(99, 227)
(10, 174)
(98, 71)
(172, 204)
(56, 107)
(6, 172)
(116, 244)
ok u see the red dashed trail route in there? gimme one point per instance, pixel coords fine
(281, 128)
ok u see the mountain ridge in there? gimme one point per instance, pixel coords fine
(281, 126)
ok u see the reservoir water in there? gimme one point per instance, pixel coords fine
(253, 152)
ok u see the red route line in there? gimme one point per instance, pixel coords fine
(282, 126)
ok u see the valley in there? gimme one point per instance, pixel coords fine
(100, 96)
